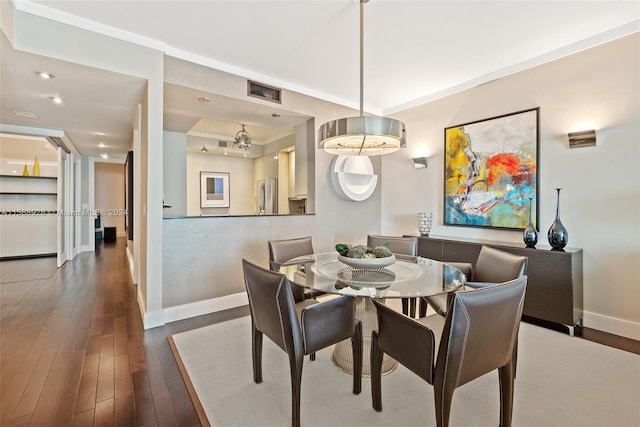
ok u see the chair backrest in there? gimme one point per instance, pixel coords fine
(283, 250)
(496, 266)
(397, 245)
(272, 305)
(480, 332)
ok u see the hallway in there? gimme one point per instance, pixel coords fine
(73, 351)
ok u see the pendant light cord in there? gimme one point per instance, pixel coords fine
(364, 136)
(362, 58)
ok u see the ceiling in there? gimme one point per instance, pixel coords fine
(414, 51)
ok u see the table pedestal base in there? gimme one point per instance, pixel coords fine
(343, 355)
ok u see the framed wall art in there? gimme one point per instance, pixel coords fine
(214, 189)
(491, 172)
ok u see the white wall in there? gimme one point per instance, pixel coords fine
(241, 184)
(600, 203)
(109, 194)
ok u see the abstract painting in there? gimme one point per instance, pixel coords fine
(491, 169)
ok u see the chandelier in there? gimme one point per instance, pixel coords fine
(363, 135)
(243, 139)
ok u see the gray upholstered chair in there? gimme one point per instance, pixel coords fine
(283, 250)
(477, 336)
(298, 328)
(403, 248)
(493, 266)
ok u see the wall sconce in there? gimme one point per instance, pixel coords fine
(420, 162)
(586, 138)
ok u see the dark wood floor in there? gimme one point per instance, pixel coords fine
(73, 351)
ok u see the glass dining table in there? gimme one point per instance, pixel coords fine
(404, 278)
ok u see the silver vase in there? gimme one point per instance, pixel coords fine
(558, 236)
(530, 235)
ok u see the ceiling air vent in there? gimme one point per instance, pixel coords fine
(222, 144)
(25, 114)
(268, 93)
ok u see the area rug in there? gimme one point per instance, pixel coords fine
(561, 381)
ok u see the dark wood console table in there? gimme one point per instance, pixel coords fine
(554, 287)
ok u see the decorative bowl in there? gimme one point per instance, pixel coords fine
(367, 263)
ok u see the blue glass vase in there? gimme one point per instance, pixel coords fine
(530, 235)
(558, 235)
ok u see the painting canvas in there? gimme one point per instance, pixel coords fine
(214, 189)
(491, 172)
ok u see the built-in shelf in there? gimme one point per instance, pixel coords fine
(29, 177)
(28, 193)
(28, 208)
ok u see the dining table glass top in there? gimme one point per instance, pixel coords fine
(405, 278)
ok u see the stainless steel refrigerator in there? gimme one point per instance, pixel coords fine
(267, 196)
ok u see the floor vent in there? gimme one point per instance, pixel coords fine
(268, 93)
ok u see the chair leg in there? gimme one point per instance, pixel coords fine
(312, 356)
(405, 306)
(442, 396)
(506, 377)
(515, 357)
(356, 346)
(256, 354)
(376, 372)
(412, 308)
(422, 312)
(295, 366)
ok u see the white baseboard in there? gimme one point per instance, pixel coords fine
(199, 308)
(153, 319)
(131, 266)
(612, 325)
(160, 317)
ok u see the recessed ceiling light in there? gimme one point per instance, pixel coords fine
(104, 156)
(56, 99)
(45, 75)
(101, 145)
(275, 115)
(204, 99)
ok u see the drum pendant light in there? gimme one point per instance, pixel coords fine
(363, 135)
